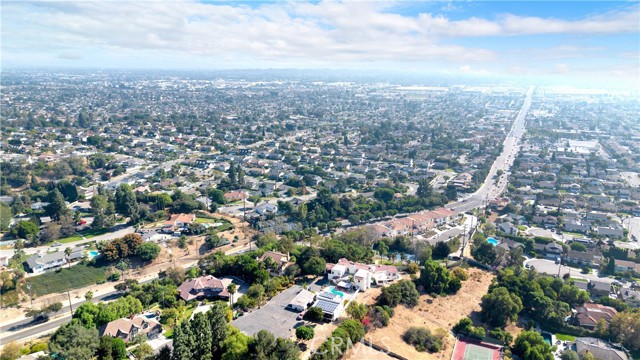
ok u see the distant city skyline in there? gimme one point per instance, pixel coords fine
(566, 43)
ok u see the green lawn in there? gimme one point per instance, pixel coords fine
(65, 279)
(579, 280)
(564, 337)
(226, 225)
(88, 234)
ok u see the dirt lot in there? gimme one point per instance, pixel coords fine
(169, 256)
(442, 312)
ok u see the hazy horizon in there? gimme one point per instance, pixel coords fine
(582, 44)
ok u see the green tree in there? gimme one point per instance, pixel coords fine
(425, 190)
(57, 207)
(231, 289)
(315, 266)
(216, 196)
(126, 203)
(314, 313)
(149, 251)
(304, 333)
(236, 345)
(5, 216)
(201, 328)
(383, 248)
(569, 355)
(74, 341)
(624, 328)
(119, 349)
(401, 292)
(384, 194)
(530, 345)
(357, 310)
(499, 307)
(25, 230)
(143, 351)
(105, 349)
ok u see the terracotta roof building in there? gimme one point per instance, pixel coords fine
(589, 314)
(128, 328)
(206, 286)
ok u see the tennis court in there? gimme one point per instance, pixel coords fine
(473, 349)
(475, 352)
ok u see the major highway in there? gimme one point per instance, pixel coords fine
(493, 186)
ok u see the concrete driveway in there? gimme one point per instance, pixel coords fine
(549, 267)
(272, 316)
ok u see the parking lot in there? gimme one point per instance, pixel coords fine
(272, 316)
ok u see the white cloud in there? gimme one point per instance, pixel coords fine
(296, 34)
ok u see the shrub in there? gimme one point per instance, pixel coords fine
(422, 339)
(314, 313)
(402, 292)
(305, 333)
(413, 268)
(460, 273)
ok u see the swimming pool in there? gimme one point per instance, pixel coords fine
(93, 253)
(334, 291)
(492, 241)
(547, 338)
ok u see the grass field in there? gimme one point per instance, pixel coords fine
(579, 280)
(564, 337)
(65, 279)
(88, 234)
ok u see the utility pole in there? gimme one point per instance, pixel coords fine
(70, 306)
(30, 294)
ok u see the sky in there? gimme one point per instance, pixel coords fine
(574, 42)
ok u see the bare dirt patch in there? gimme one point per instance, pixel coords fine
(442, 312)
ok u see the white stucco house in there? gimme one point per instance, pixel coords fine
(361, 275)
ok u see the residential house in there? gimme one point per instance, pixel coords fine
(206, 286)
(280, 260)
(599, 288)
(361, 275)
(630, 297)
(609, 231)
(589, 314)
(128, 328)
(600, 349)
(302, 301)
(508, 228)
(331, 304)
(266, 209)
(234, 196)
(40, 263)
(180, 220)
(627, 266)
(591, 258)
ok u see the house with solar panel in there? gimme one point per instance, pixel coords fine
(332, 303)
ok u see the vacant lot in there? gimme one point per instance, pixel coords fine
(56, 282)
(442, 312)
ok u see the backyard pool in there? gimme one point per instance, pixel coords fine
(492, 241)
(547, 338)
(93, 253)
(334, 291)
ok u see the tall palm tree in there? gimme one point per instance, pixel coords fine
(231, 288)
(67, 253)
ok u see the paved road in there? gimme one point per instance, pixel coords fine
(549, 267)
(493, 187)
(122, 231)
(22, 330)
